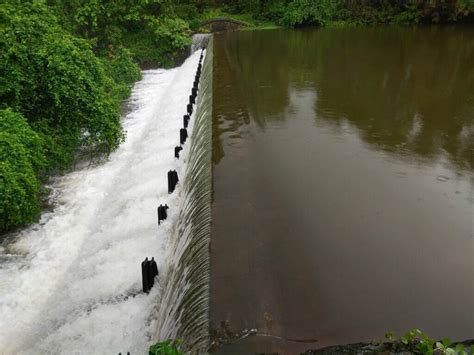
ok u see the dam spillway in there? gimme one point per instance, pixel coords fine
(71, 283)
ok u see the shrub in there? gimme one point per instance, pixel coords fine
(168, 347)
(121, 72)
(307, 12)
(56, 82)
(21, 160)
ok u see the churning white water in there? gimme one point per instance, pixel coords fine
(199, 41)
(72, 283)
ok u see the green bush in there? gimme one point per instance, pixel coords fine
(422, 343)
(62, 99)
(153, 30)
(21, 160)
(56, 82)
(168, 347)
(323, 12)
(121, 72)
(309, 12)
(171, 34)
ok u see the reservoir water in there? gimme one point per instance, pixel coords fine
(343, 185)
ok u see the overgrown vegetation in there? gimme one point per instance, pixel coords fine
(422, 343)
(413, 342)
(66, 65)
(151, 29)
(54, 96)
(168, 347)
(21, 159)
(330, 12)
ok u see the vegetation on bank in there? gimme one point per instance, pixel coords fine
(167, 347)
(413, 342)
(356, 12)
(55, 98)
(66, 66)
(64, 71)
(419, 342)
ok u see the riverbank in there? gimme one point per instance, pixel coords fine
(395, 348)
(225, 341)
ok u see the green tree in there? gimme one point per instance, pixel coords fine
(56, 82)
(307, 12)
(152, 29)
(21, 160)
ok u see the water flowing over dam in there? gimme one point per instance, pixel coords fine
(72, 284)
(184, 307)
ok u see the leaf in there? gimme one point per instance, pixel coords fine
(460, 348)
(446, 342)
(424, 348)
(390, 336)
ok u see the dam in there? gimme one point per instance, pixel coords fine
(72, 282)
(325, 196)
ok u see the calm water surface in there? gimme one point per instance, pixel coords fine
(343, 185)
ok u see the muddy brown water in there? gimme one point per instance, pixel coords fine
(343, 185)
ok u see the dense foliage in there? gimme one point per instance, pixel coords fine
(55, 99)
(21, 159)
(323, 12)
(167, 347)
(57, 83)
(151, 29)
(421, 343)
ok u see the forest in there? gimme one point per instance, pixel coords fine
(67, 65)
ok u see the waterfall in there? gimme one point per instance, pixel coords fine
(184, 306)
(200, 41)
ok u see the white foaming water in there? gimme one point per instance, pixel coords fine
(72, 284)
(199, 41)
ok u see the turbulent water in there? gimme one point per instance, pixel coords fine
(184, 307)
(200, 40)
(72, 283)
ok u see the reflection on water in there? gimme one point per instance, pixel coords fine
(408, 91)
(343, 184)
